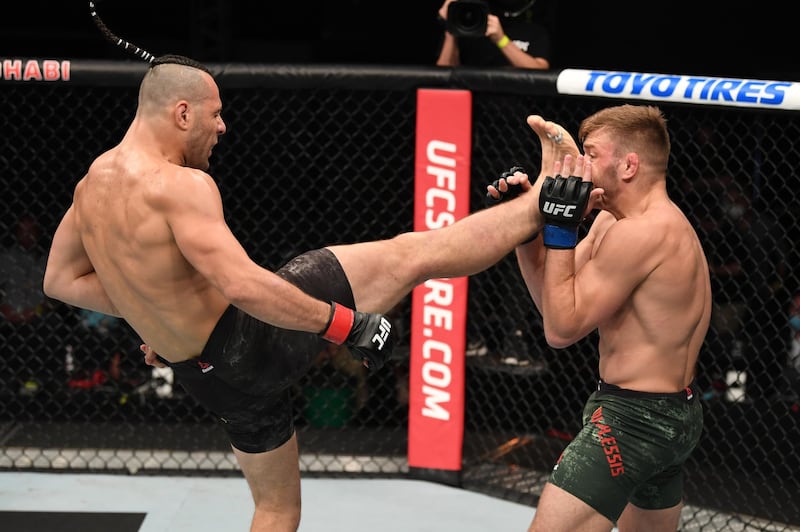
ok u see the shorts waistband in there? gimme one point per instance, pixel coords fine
(214, 344)
(687, 394)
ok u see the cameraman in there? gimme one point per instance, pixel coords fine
(511, 38)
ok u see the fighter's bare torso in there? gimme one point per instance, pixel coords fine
(652, 341)
(119, 211)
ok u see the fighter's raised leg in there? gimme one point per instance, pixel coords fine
(381, 273)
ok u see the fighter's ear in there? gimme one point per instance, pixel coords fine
(181, 114)
(631, 162)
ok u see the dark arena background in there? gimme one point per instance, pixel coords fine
(308, 150)
(320, 100)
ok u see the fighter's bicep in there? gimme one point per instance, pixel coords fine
(617, 266)
(586, 247)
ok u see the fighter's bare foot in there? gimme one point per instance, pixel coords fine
(556, 142)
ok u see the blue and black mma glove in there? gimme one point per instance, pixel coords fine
(562, 202)
(368, 336)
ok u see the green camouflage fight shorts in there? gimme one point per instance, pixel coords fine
(631, 449)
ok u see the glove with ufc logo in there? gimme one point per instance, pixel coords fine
(369, 337)
(562, 202)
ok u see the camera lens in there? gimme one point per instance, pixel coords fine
(470, 20)
(467, 18)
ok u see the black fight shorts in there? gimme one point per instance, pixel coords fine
(246, 370)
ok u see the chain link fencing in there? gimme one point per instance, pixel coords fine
(320, 156)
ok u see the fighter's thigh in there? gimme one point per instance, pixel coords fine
(273, 476)
(558, 510)
(590, 467)
(662, 520)
(381, 273)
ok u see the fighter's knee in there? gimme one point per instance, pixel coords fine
(408, 251)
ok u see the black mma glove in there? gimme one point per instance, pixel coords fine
(368, 336)
(562, 202)
(512, 192)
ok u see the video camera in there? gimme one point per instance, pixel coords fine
(467, 18)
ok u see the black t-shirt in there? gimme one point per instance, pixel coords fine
(530, 37)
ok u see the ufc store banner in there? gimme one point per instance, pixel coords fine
(439, 306)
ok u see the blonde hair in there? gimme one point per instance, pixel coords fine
(639, 128)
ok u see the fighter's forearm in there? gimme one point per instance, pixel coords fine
(559, 310)
(530, 259)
